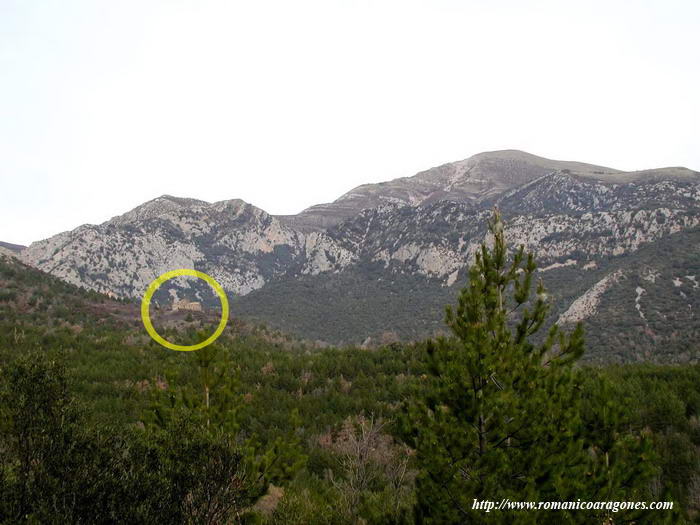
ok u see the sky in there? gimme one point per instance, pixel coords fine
(105, 105)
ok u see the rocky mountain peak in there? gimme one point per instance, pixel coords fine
(155, 208)
(475, 179)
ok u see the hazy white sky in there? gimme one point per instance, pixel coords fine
(107, 104)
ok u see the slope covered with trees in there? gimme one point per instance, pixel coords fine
(99, 424)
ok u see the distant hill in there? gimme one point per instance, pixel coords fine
(12, 247)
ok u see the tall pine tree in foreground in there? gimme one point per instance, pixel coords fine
(501, 415)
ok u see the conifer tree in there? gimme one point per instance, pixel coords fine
(499, 414)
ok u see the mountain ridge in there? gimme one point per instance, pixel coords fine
(414, 241)
(442, 183)
(436, 176)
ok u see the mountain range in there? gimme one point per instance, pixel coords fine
(617, 250)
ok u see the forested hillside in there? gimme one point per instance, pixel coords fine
(100, 424)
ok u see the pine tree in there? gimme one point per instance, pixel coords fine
(499, 415)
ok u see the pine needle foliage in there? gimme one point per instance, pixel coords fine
(499, 415)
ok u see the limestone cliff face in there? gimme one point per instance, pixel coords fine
(239, 245)
(430, 225)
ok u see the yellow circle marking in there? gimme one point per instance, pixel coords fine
(146, 302)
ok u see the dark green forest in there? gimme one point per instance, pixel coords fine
(98, 424)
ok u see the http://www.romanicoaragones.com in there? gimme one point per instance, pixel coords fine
(614, 506)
